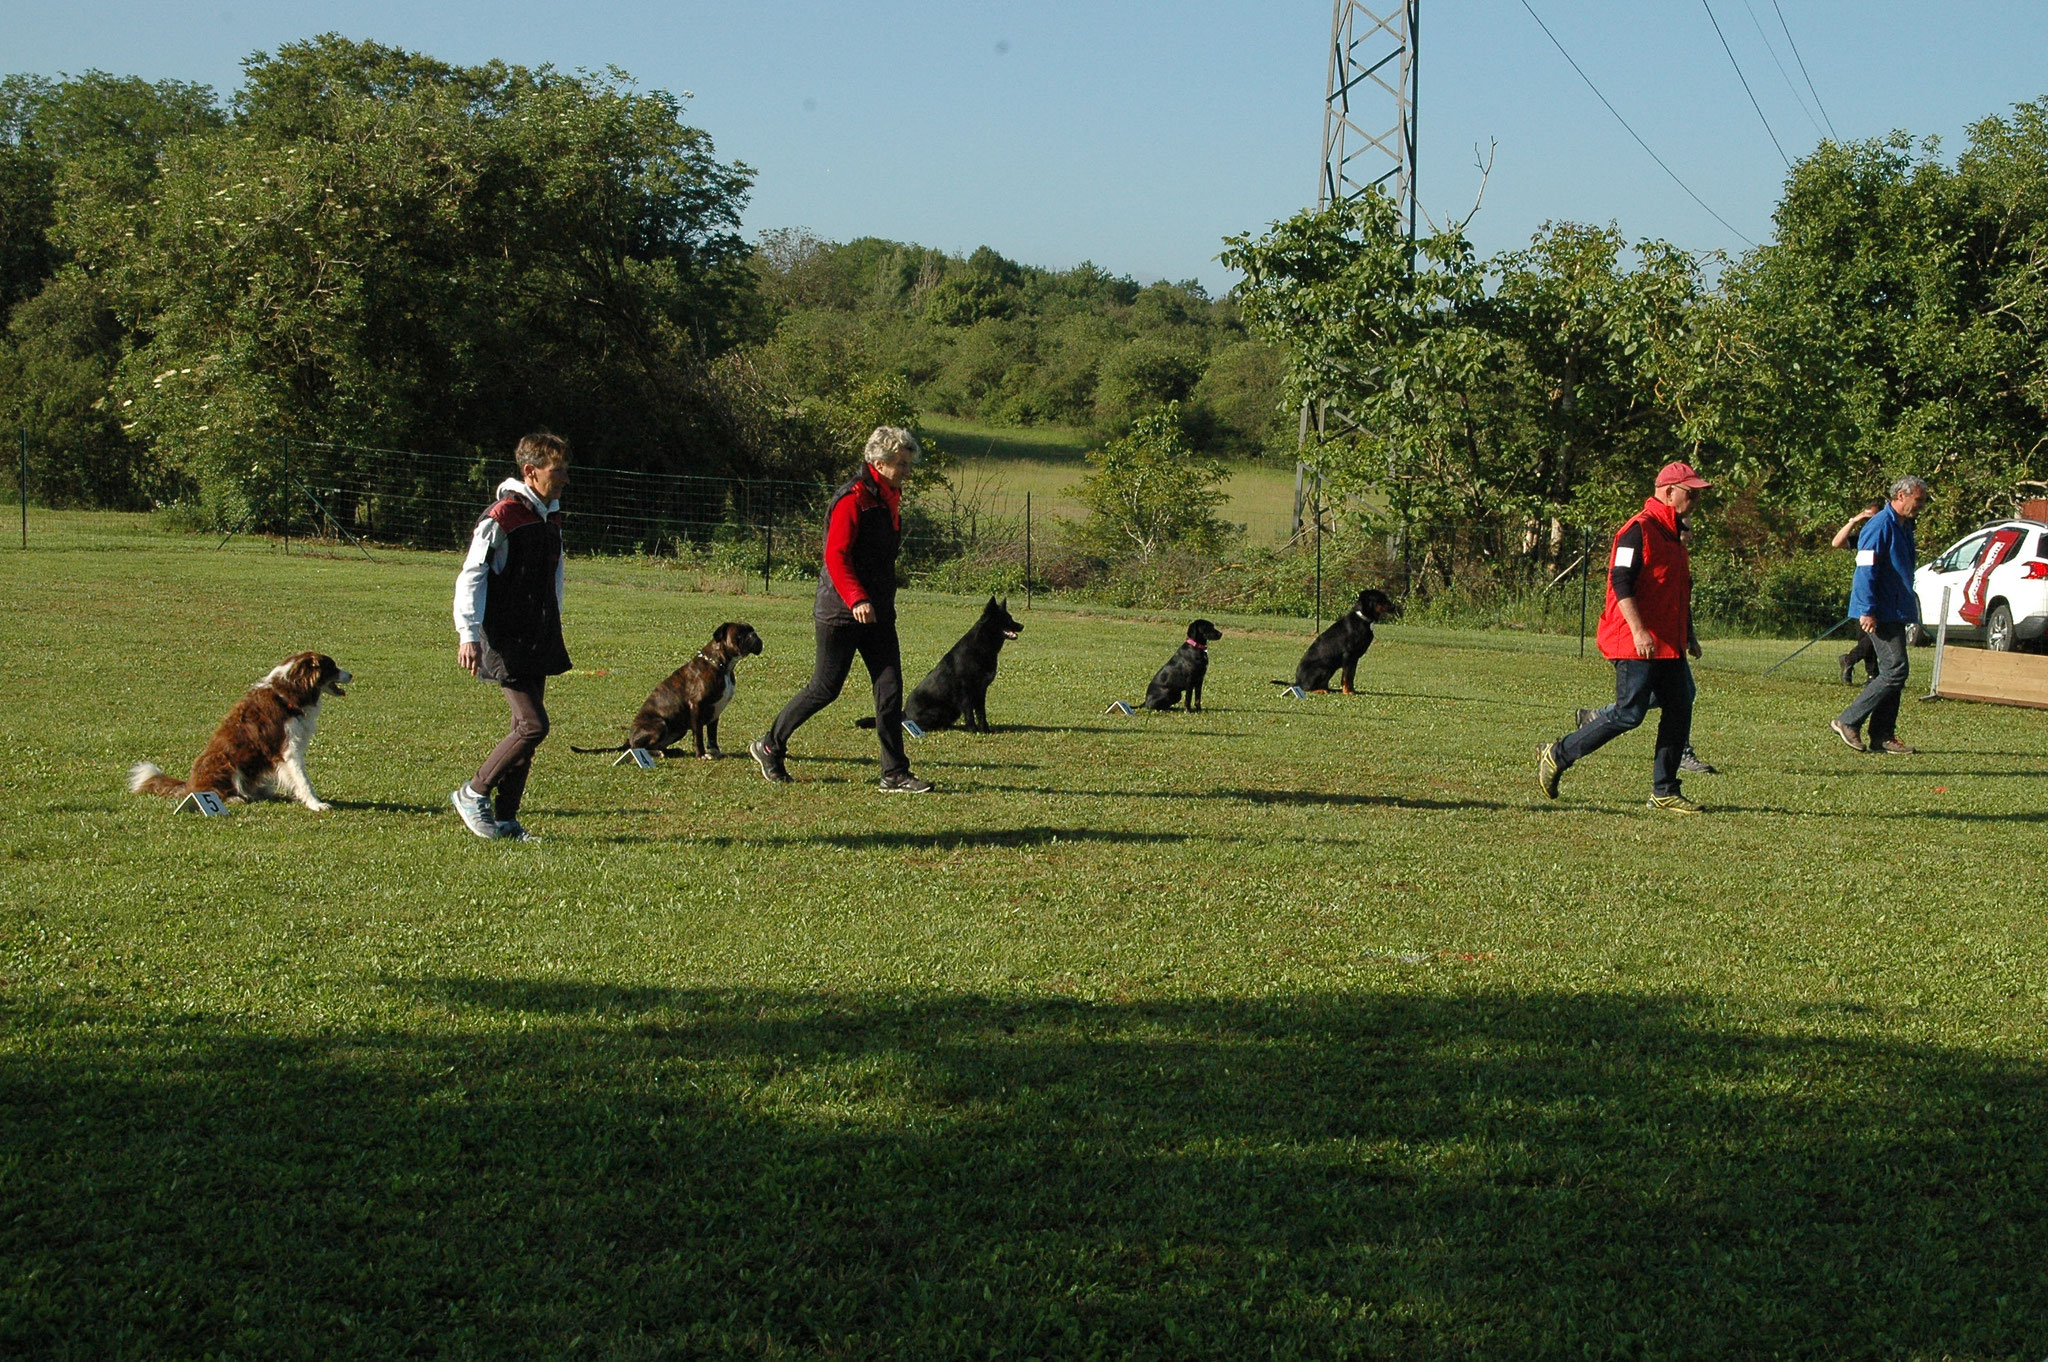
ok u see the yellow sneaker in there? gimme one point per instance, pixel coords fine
(1674, 804)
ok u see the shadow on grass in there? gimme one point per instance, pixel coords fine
(1304, 798)
(645, 1171)
(963, 838)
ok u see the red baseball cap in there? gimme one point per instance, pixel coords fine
(1680, 475)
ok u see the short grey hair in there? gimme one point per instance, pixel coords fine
(1907, 486)
(892, 444)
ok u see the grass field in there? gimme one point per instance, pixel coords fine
(1290, 1029)
(1008, 461)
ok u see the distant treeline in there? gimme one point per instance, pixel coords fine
(989, 339)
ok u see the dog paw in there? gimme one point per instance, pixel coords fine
(319, 806)
(713, 755)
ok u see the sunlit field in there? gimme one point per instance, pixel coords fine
(1286, 1029)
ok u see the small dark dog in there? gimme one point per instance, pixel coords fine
(692, 698)
(956, 691)
(1344, 643)
(1180, 680)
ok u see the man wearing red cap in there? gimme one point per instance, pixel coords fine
(1646, 631)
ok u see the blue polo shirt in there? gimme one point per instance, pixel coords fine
(1884, 570)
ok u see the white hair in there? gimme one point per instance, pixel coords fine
(892, 444)
(1907, 486)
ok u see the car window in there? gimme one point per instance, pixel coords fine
(1963, 554)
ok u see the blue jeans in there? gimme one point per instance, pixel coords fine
(1665, 683)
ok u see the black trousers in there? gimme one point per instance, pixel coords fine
(1878, 701)
(1665, 684)
(837, 643)
(512, 759)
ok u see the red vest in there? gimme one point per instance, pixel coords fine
(1663, 588)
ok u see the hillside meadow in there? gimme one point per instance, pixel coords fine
(1289, 1029)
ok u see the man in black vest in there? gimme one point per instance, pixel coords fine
(855, 611)
(508, 625)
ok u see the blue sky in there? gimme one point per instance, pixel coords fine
(1138, 133)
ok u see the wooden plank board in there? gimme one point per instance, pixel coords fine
(1997, 678)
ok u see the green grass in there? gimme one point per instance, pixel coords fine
(1291, 1029)
(1004, 462)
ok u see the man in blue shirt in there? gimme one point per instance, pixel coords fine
(1882, 602)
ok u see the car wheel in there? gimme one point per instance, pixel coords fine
(1918, 637)
(1998, 635)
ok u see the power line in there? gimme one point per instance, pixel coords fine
(1631, 131)
(1802, 70)
(1745, 82)
(1778, 62)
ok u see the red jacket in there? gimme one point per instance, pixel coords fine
(869, 494)
(1649, 565)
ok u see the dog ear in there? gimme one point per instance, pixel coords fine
(305, 668)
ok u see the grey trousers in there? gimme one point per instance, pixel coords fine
(1878, 701)
(511, 760)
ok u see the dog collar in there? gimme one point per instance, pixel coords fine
(1198, 645)
(1362, 615)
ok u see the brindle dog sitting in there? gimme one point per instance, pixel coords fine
(692, 698)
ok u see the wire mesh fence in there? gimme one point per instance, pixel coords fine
(769, 527)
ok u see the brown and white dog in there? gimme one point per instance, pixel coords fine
(259, 750)
(692, 698)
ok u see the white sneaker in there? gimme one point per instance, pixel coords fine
(476, 811)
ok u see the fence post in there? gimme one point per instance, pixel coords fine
(1027, 549)
(1319, 555)
(768, 555)
(1585, 577)
(24, 486)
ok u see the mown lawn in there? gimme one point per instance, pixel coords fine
(999, 464)
(1291, 1029)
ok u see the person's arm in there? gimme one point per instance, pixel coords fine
(1846, 536)
(1621, 575)
(471, 583)
(839, 536)
(1872, 548)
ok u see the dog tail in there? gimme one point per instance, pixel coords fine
(1283, 683)
(587, 750)
(865, 721)
(146, 777)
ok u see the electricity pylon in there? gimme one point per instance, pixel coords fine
(1368, 143)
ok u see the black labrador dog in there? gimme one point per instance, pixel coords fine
(692, 698)
(1344, 643)
(956, 691)
(1180, 680)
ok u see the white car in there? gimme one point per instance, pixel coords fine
(1997, 582)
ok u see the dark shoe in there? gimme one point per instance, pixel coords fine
(905, 784)
(1689, 761)
(1548, 772)
(1674, 804)
(770, 762)
(1892, 747)
(512, 830)
(1582, 717)
(1848, 735)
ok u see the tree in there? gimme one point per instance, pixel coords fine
(1150, 491)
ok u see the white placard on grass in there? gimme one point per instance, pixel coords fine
(1119, 707)
(1295, 693)
(910, 727)
(639, 756)
(204, 802)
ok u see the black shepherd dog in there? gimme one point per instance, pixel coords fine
(956, 691)
(1344, 642)
(1180, 680)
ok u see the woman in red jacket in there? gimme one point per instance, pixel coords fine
(855, 610)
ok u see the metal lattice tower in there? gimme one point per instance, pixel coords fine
(1369, 106)
(1368, 143)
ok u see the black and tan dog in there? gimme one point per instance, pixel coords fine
(692, 698)
(956, 691)
(1344, 643)
(1180, 680)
